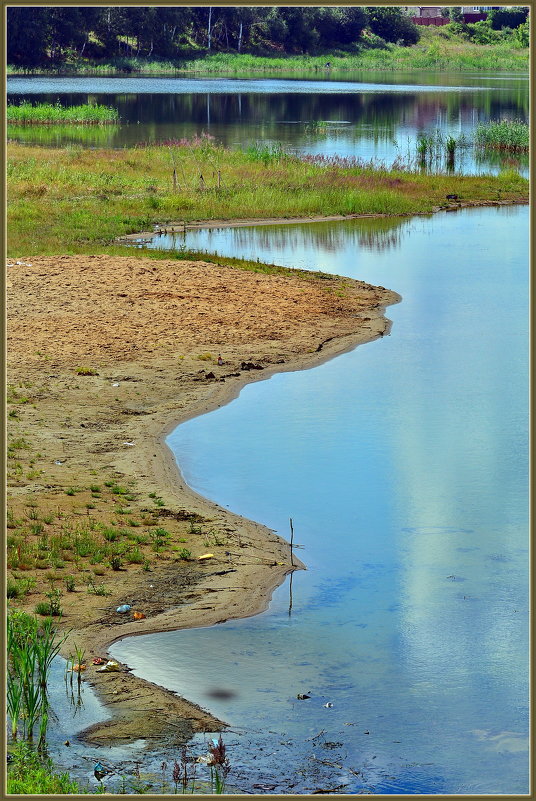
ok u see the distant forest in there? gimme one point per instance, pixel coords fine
(41, 36)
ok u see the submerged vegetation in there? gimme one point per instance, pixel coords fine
(31, 647)
(72, 200)
(46, 114)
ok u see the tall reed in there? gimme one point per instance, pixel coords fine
(30, 651)
(46, 114)
(507, 135)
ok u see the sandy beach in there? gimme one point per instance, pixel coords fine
(106, 355)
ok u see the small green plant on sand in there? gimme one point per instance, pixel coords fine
(86, 371)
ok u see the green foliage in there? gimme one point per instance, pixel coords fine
(30, 773)
(69, 583)
(392, 25)
(522, 34)
(31, 647)
(508, 135)
(53, 607)
(19, 588)
(86, 371)
(455, 13)
(507, 17)
(46, 114)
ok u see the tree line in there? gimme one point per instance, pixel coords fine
(40, 36)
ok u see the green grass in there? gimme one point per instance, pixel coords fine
(434, 52)
(507, 135)
(32, 774)
(60, 201)
(47, 114)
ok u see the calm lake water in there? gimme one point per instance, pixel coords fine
(368, 115)
(404, 467)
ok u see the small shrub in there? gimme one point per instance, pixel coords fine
(69, 583)
(135, 557)
(184, 553)
(86, 371)
(116, 563)
(37, 528)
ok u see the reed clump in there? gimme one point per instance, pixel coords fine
(26, 113)
(31, 647)
(506, 135)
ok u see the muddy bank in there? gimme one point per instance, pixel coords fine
(105, 356)
(181, 227)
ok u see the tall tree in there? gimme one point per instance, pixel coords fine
(392, 24)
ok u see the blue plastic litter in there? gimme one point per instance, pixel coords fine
(123, 608)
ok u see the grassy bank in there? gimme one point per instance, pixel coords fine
(31, 774)
(47, 114)
(437, 50)
(73, 200)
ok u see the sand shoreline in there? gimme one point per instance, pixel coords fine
(158, 393)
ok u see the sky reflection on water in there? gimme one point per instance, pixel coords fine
(404, 466)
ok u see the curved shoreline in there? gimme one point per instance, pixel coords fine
(194, 225)
(263, 557)
(169, 477)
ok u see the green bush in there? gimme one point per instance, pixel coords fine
(500, 18)
(43, 608)
(393, 25)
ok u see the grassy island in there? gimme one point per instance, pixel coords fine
(48, 114)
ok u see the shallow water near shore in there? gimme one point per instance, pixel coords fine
(403, 464)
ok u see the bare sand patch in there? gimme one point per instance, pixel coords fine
(149, 334)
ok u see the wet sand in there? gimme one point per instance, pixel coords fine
(149, 333)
